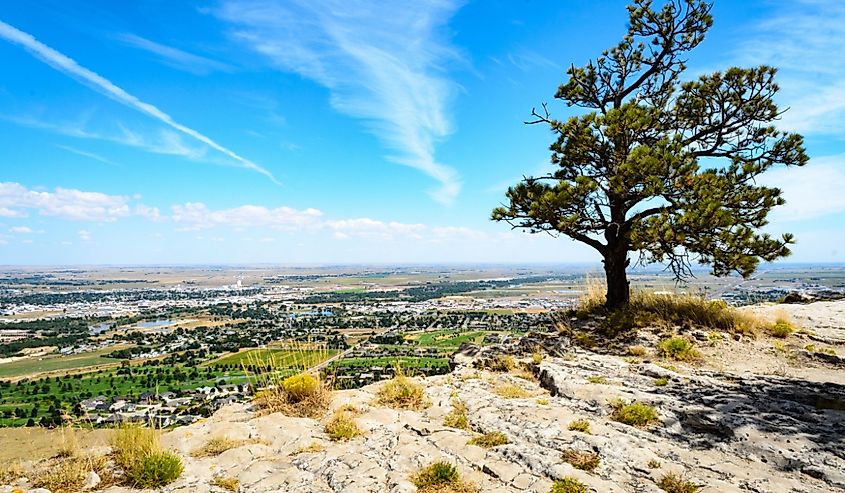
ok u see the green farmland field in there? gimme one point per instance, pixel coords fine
(56, 362)
(277, 358)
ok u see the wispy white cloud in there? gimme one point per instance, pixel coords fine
(196, 215)
(84, 235)
(174, 57)
(17, 200)
(70, 67)
(382, 61)
(803, 39)
(90, 155)
(365, 227)
(21, 230)
(811, 191)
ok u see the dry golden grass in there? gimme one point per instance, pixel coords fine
(12, 471)
(500, 363)
(581, 459)
(401, 392)
(510, 391)
(457, 417)
(67, 475)
(342, 427)
(311, 448)
(226, 482)
(638, 351)
(675, 483)
(217, 445)
(489, 440)
(69, 443)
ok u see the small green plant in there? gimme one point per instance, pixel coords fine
(779, 346)
(661, 382)
(581, 459)
(457, 418)
(675, 483)
(537, 358)
(653, 464)
(441, 477)
(678, 348)
(156, 469)
(634, 414)
(225, 482)
(300, 387)
(138, 452)
(342, 427)
(510, 391)
(543, 401)
(569, 485)
(781, 329)
(489, 440)
(584, 340)
(597, 379)
(580, 425)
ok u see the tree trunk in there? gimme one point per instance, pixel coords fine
(618, 288)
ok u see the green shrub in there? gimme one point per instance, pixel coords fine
(581, 425)
(597, 379)
(441, 477)
(634, 414)
(678, 348)
(569, 485)
(489, 440)
(781, 328)
(661, 382)
(500, 362)
(156, 469)
(300, 387)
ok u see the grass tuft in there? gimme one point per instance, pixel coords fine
(510, 391)
(11, 472)
(661, 382)
(569, 485)
(401, 392)
(581, 459)
(782, 328)
(580, 425)
(145, 464)
(500, 363)
(634, 414)
(457, 417)
(675, 483)
(226, 482)
(217, 445)
(490, 440)
(68, 475)
(311, 448)
(678, 348)
(442, 477)
(597, 379)
(342, 427)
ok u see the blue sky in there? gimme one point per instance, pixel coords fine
(330, 131)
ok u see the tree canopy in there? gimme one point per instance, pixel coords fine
(659, 165)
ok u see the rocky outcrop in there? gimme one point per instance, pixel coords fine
(730, 433)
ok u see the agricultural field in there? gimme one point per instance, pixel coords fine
(58, 363)
(447, 338)
(275, 358)
(405, 362)
(51, 396)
